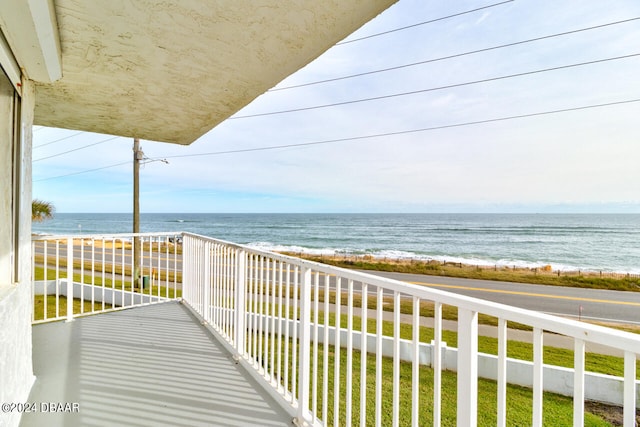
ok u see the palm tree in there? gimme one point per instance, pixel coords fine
(41, 210)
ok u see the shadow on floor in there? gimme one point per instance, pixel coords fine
(146, 366)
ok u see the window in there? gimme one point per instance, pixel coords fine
(10, 179)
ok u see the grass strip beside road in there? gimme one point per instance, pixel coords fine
(502, 274)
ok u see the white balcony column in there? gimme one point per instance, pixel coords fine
(304, 415)
(69, 279)
(467, 368)
(240, 302)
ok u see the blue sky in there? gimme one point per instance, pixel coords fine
(576, 161)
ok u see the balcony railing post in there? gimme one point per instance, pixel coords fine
(467, 368)
(206, 283)
(304, 414)
(69, 279)
(578, 382)
(240, 302)
(629, 399)
(187, 261)
(538, 371)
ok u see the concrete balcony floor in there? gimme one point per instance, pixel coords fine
(147, 366)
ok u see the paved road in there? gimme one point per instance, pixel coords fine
(116, 256)
(600, 305)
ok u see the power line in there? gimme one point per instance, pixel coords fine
(77, 149)
(356, 138)
(82, 172)
(423, 23)
(458, 55)
(413, 92)
(380, 135)
(58, 140)
(398, 94)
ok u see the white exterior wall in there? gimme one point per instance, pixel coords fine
(16, 371)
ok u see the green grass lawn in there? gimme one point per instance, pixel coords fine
(558, 410)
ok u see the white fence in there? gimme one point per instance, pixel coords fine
(95, 294)
(598, 387)
(278, 316)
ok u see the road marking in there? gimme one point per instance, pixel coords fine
(599, 319)
(528, 294)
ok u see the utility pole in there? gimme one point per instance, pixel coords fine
(137, 157)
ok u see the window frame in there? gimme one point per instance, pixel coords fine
(16, 186)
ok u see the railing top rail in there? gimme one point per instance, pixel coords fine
(585, 331)
(39, 237)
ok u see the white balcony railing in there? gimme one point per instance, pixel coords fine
(339, 347)
(97, 271)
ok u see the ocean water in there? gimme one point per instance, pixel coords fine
(587, 242)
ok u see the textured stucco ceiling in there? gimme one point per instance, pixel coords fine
(172, 70)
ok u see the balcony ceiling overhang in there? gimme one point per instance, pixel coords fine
(29, 40)
(172, 70)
